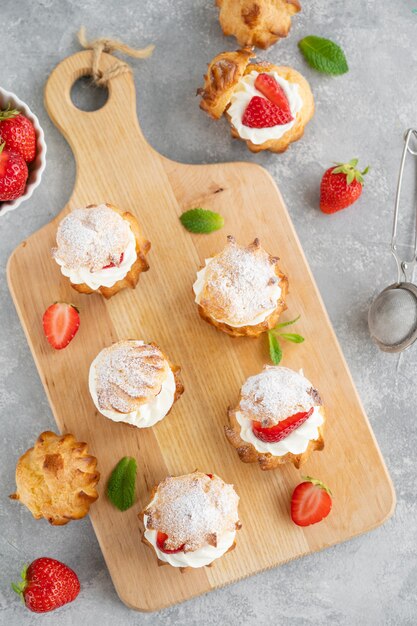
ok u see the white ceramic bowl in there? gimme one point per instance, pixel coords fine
(38, 165)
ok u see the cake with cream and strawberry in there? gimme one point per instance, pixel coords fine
(279, 419)
(268, 106)
(134, 382)
(191, 520)
(241, 290)
(101, 249)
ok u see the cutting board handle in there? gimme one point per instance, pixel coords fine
(70, 120)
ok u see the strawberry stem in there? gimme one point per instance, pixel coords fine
(8, 113)
(317, 483)
(21, 586)
(351, 172)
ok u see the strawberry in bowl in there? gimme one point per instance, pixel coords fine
(23, 137)
(13, 174)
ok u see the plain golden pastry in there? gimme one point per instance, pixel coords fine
(279, 419)
(134, 382)
(241, 290)
(267, 106)
(57, 479)
(191, 520)
(101, 249)
(259, 23)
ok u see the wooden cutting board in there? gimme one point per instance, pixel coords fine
(115, 164)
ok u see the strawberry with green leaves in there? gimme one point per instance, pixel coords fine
(46, 585)
(341, 186)
(18, 133)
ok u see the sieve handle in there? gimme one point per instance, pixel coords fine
(404, 266)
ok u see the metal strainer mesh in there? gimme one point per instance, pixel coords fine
(393, 316)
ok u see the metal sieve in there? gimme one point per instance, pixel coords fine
(392, 316)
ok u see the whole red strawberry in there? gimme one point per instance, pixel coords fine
(13, 174)
(341, 186)
(18, 132)
(47, 584)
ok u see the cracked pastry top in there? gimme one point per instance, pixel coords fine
(241, 290)
(259, 23)
(279, 418)
(57, 479)
(191, 519)
(100, 249)
(134, 382)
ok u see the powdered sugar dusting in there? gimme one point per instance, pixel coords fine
(275, 394)
(241, 283)
(91, 237)
(193, 510)
(128, 374)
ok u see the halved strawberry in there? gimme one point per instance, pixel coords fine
(311, 502)
(160, 542)
(60, 324)
(282, 429)
(112, 264)
(268, 86)
(261, 113)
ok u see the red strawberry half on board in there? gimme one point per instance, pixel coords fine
(13, 174)
(60, 324)
(268, 86)
(261, 113)
(311, 502)
(46, 585)
(341, 186)
(18, 132)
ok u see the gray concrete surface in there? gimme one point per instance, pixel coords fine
(372, 579)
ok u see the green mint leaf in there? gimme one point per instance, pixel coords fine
(201, 221)
(323, 55)
(283, 324)
(275, 351)
(121, 485)
(292, 337)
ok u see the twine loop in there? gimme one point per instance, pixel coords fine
(103, 44)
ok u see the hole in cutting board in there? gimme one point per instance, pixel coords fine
(88, 97)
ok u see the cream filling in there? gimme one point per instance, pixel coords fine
(199, 558)
(104, 277)
(296, 443)
(147, 414)
(258, 319)
(244, 93)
